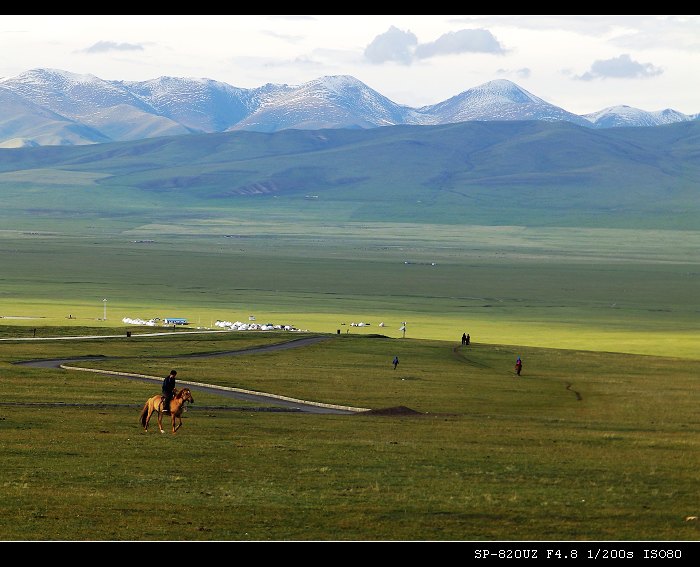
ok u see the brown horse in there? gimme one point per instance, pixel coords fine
(177, 406)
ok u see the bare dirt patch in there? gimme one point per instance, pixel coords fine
(396, 410)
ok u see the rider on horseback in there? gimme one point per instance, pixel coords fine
(168, 388)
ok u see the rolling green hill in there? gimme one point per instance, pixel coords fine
(486, 173)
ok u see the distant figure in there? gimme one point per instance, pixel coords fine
(168, 387)
(518, 366)
(396, 362)
(468, 339)
(464, 339)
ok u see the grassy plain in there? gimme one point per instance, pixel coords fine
(593, 289)
(584, 446)
(597, 441)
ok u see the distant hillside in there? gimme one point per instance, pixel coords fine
(492, 173)
(54, 107)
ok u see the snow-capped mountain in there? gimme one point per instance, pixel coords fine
(329, 102)
(200, 105)
(620, 116)
(54, 107)
(24, 123)
(106, 107)
(498, 100)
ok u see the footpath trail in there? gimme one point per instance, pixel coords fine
(280, 403)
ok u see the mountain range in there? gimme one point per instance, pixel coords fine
(47, 107)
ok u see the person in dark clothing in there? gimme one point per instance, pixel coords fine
(469, 339)
(168, 388)
(518, 366)
(396, 362)
(464, 338)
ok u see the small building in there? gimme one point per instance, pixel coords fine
(175, 321)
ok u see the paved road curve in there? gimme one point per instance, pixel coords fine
(280, 402)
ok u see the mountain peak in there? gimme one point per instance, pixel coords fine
(500, 100)
(45, 74)
(339, 86)
(335, 101)
(506, 90)
(338, 81)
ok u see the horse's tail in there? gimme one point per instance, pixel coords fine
(144, 413)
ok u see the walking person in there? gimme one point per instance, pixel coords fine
(168, 388)
(396, 362)
(469, 339)
(518, 366)
(464, 339)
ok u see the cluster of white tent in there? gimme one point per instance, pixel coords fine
(239, 326)
(130, 321)
(155, 321)
(231, 326)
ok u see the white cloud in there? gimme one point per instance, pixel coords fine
(393, 45)
(462, 41)
(104, 46)
(399, 46)
(598, 26)
(284, 36)
(622, 67)
(674, 33)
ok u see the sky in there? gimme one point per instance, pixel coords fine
(582, 64)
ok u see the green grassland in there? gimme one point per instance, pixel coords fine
(583, 446)
(617, 290)
(596, 441)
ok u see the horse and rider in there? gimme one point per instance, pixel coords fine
(171, 401)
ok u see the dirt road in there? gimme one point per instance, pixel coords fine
(281, 403)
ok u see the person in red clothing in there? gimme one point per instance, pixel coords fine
(518, 366)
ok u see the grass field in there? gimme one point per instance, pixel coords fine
(584, 446)
(607, 290)
(598, 440)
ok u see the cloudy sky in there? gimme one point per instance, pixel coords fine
(580, 63)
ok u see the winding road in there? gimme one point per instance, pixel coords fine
(279, 403)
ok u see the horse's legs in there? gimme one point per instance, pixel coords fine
(148, 417)
(160, 421)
